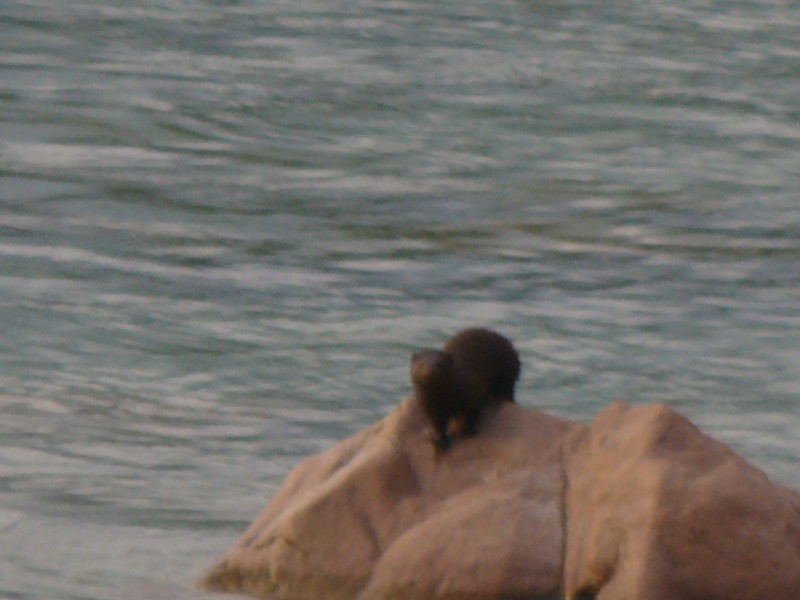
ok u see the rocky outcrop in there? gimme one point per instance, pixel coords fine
(639, 505)
(380, 514)
(656, 510)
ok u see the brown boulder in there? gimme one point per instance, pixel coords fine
(381, 515)
(639, 506)
(656, 510)
(503, 539)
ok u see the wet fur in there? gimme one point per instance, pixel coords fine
(476, 369)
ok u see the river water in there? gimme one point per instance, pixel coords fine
(225, 224)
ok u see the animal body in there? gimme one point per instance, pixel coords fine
(476, 369)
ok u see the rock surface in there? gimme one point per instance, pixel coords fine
(639, 505)
(656, 510)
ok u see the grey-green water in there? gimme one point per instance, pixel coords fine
(225, 224)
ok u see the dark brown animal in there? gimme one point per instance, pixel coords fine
(476, 369)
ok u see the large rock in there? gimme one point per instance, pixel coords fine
(639, 506)
(656, 510)
(380, 515)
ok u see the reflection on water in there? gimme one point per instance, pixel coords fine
(224, 226)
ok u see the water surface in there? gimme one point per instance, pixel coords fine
(225, 224)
